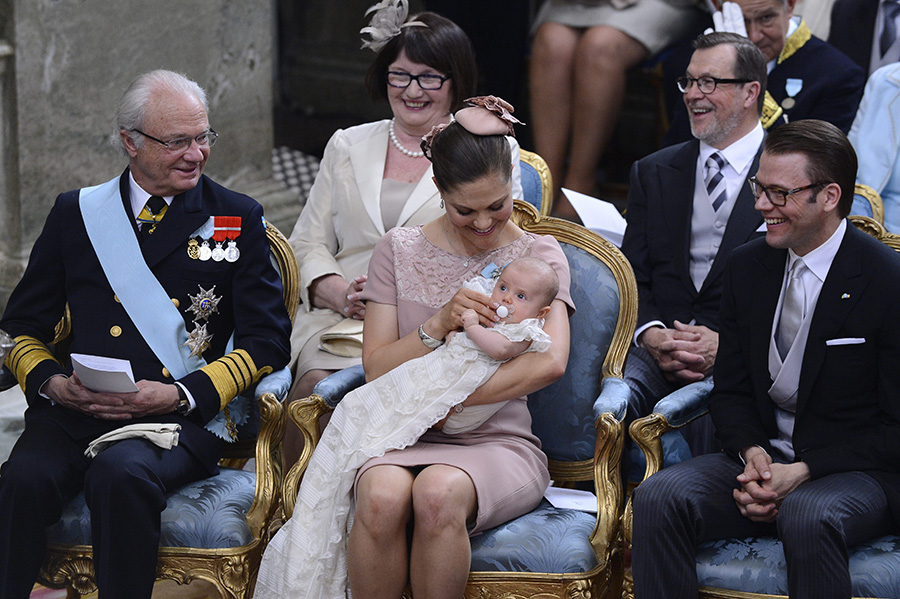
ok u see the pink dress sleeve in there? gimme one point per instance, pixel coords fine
(381, 286)
(547, 248)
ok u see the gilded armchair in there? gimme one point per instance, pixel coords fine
(550, 552)
(537, 184)
(214, 529)
(755, 568)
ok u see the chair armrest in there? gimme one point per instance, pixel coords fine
(268, 464)
(685, 404)
(334, 387)
(609, 414)
(277, 383)
(614, 395)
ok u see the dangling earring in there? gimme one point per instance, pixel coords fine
(442, 203)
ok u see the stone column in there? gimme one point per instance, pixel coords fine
(72, 61)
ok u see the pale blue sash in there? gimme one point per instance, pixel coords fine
(148, 305)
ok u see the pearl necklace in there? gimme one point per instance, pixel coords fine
(399, 146)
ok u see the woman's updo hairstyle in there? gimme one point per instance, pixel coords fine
(429, 39)
(473, 145)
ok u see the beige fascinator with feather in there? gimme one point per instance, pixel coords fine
(389, 18)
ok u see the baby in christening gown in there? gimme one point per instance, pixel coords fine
(307, 557)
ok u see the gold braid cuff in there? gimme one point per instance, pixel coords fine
(25, 356)
(771, 111)
(232, 374)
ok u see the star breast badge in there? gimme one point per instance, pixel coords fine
(204, 303)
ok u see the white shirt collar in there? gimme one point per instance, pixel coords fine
(819, 260)
(139, 197)
(792, 27)
(739, 154)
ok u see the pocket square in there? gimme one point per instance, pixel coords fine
(846, 341)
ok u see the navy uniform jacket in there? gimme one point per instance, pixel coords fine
(657, 239)
(831, 90)
(848, 402)
(64, 268)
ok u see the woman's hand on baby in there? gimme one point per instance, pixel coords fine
(466, 299)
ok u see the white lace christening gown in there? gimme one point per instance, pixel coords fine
(307, 558)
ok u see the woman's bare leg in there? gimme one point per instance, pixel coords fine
(550, 81)
(444, 499)
(377, 554)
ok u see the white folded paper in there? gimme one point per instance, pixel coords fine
(572, 499)
(598, 215)
(104, 375)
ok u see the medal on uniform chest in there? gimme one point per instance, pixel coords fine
(226, 228)
(792, 86)
(198, 339)
(232, 253)
(193, 249)
(205, 252)
(218, 254)
(204, 303)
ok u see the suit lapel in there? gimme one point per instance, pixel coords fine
(742, 224)
(765, 293)
(185, 215)
(676, 185)
(423, 193)
(843, 287)
(367, 159)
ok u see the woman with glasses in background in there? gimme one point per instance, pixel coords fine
(372, 178)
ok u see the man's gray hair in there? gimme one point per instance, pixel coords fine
(132, 107)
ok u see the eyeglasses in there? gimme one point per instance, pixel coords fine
(180, 144)
(425, 81)
(706, 85)
(757, 189)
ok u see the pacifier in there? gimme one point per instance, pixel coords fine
(504, 311)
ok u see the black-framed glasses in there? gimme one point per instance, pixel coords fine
(180, 144)
(778, 197)
(426, 80)
(706, 85)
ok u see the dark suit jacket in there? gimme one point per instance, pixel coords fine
(832, 88)
(64, 268)
(658, 238)
(852, 28)
(848, 405)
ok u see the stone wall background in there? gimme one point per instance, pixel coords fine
(71, 61)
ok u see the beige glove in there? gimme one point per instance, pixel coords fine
(162, 435)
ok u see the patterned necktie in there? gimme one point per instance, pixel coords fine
(793, 309)
(153, 212)
(715, 180)
(889, 31)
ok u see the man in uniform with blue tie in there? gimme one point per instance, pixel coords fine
(806, 402)
(163, 268)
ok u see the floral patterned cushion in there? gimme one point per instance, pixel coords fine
(757, 565)
(531, 185)
(562, 414)
(209, 513)
(548, 539)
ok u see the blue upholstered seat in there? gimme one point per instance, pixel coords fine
(547, 539)
(757, 565)
(531, 185)
(537, 185)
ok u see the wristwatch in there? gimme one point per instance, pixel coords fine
(184, 406)
(429, 341)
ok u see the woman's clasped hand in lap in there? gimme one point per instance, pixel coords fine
(389, 498)
(372, 178)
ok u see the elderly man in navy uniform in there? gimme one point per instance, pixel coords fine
(168, 270)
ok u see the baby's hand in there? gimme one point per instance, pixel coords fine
(469, 318)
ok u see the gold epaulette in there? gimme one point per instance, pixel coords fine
(771, 111)
(232, 374)
(25, 356)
